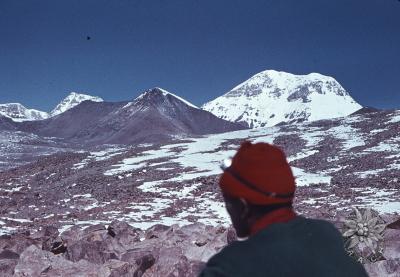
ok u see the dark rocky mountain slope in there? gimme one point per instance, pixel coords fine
(154, 116)
(69, 124)
(7, 124)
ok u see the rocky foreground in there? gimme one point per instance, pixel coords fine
(122, 250)
(339, 164)
(119, 250)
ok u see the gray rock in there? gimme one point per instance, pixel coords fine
(120, 269)
(124, 233)
(8, 255)
(119, 228)
(90, 251)
(93, 228)
(387, 268)
(140, 260)
(17, 243)
(8, 261)
(37, 262)
(155, 231)
(392, 244)
(167, 251)
(73, 234)
(46, 232)
(394, 225)
(7, 267)
(173, 263)
(113, 245)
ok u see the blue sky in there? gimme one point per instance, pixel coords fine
(198, 49)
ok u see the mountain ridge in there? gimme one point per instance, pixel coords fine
(168, 115)
(153, 116)
(18, 112)
(72, 100)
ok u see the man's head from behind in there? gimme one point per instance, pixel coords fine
(258, 181)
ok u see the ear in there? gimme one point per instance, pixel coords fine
(245, 209)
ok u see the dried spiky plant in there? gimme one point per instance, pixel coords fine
(364, 235)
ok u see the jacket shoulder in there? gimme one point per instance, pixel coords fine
(227, 262)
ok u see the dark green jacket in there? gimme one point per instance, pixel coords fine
(300, 247)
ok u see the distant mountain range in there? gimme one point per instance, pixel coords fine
(266, 99)
(19, 113)
(156, 115)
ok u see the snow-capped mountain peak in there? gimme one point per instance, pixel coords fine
(267, 80)
(271, 97)
(17, 112)
(151, 95)
(72, 100)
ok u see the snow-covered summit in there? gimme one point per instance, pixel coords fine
(17, 112)
(151, 95)
(271, 97)
(72, 100)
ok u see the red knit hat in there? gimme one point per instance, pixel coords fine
(260, 174)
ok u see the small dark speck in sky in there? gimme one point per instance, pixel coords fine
(88, 38)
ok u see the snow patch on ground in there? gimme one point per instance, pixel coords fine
(305, 179)
(142, 214)
(365, 174)
(138, 162)
(391, 145)
(218, 209)
(100, 156)
(302, 155)
(349, 136)
(5, 230)
(199, 154)
(381, 200)
(395, 118)
(312, 135)
(19, 220)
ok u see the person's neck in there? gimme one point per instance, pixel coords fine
(280, 215)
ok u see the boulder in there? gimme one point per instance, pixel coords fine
(46, 232)
(141, 260)
(7, 267)
(94, 228)
(120, 269)
(72, 235)
(126, 234)
(8, 261)
(17, 242)
(8, 255)
(119, 228)
(391, 248)
(113, 245)
(156, 231)
(173, 263)
(93, 252)
(47, 235)
(201, 242)
(394, 225)
(58, 247)
(37, 262)
(122, 250)
(387, 268)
